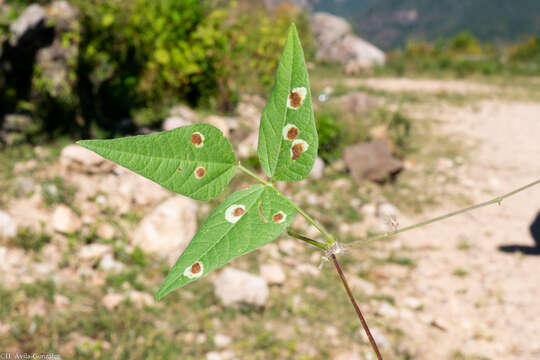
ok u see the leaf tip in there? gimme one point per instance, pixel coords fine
(162, 292)
(292, 27)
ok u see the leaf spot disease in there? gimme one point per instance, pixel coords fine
(298, 148)
(279, 217)
(234, 213)
(200, 172)
(194, 271)
(197, 139)
(290, 132)
(296, 97)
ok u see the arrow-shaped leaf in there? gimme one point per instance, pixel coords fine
(288, 137)
(195, 160)
(245, 221)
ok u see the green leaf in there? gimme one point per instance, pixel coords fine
(224, 236)
(195, 160)
(287, 125)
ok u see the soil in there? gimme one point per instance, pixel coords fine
(478, 299)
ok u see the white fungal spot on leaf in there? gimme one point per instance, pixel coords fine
(296, 97)
(298, 148)
(234, 213)
(197, 139)
(194, 271)
(279, 217)
(290, 132)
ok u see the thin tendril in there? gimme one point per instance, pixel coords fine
(496, 200)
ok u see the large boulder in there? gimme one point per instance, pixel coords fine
(168, 229)
(32, 20)
(336, 43)
(371, 161)
(358, 103)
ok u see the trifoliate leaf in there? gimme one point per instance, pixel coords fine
(287, 136)
(245, 221)
(195, 160)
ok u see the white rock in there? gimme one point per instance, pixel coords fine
(76, 158)
(362, 285)
(412, 303)
(106, 231)
(33, 17)
(108, 263)
(381, 340)
(8, 226)
(289, 246)
(61, 300)
(94, 252)
(4, 328)
(248, 146)
(65, 220)
(349, 355)
(337, 43)
(387, 310)
(112, 300)
(222, 340)
(273, 273)
(369, 210)
(250, 115)
(168, 229)
(200, 338)
(174, 122)
(234, 286)
(317, 170)
(387, 210)
(308, 269)
(184, 112)
(220, 122)
(214, 355)
(141, 299)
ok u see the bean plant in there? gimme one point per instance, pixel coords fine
(198, 161)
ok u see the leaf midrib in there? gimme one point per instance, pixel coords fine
(223, 236)
(284, 119)
(162, 157)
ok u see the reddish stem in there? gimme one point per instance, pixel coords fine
(355, 305)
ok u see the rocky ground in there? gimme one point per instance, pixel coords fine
(85, 244)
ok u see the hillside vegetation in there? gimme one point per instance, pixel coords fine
(390, 23)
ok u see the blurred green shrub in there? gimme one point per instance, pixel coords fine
(529, 51)
(332, 137)
(56, 191)
(142, 55)
(28, 239)
(461, 55)
(133, 59)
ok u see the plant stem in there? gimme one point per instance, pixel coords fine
(252, 174)
(357, 308)
(497, 200)
(308, 240)
(329, 238)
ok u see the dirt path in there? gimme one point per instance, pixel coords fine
(478, 300)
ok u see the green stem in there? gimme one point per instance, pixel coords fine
(308, 240)
(252, 174)
(497, 200)
(329, 238)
